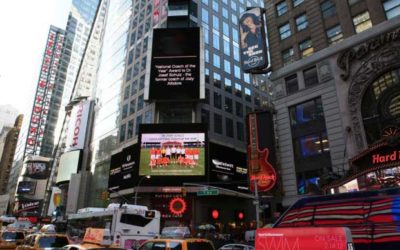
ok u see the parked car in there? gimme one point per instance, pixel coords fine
(235, 246)
(182, 244)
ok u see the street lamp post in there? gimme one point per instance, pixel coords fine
(137, 186)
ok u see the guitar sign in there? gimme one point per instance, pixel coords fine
(260, 170)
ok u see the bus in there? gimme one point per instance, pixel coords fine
(129, 225)
(373, 217)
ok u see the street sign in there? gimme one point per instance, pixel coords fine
(208, 192)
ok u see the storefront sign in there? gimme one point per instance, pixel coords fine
(378, 158)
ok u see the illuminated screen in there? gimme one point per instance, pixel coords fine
(26, 187)
(172, 154)
(69, 164)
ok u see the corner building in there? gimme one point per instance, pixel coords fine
(229, 96)
(336, 76)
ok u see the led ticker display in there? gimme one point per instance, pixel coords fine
(176, 62)
(44, 92)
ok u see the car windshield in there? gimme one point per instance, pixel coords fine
(52, 241)
(199, 246)
(10, 236)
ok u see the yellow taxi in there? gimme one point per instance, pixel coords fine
(9, 239)
(182, 244)
(94, 239)
(43, 241)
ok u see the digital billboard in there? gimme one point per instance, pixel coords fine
(228, 168)
(26, 187)
(36, 170)
(253, 41)
(69, 164)
(122, 168)
(174, 72)
(170, 150)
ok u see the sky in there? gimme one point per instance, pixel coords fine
(24, 26)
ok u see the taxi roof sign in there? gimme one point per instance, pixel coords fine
(98, 236)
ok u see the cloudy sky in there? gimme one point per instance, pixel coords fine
(24, 26)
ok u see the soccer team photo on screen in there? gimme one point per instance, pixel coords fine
(172, 154)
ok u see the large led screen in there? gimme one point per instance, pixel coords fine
(69, 164)
(174, 72)
(172, 150)
(36, 170)
(26, 187)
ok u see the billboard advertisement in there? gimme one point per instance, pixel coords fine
(77, 126)
(69, 164)
(26, 187)
(122, 168)
(36, 170)
(228, 167)
(253, 49)
(175, 154)
(261, 151)
(29, 206)
(174, 72)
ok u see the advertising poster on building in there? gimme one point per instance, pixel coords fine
(174, 72)
(77, 126)
(55, 200)
(172, 154)
(29, 206)
(228, 168)
(69, 164)
(36, 170)
(26, 187)
(123, 165)
(253, 41)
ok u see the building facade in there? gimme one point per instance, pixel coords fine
(336, 89)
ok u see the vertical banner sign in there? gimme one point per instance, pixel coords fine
(77, 126)
(174, 71)
(44, 91)
(261, 171)
(253, 41)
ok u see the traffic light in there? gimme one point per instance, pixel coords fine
(239, 215)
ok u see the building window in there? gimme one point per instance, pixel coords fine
(362, 22)
(217, 123)
(138, 122)
(122, 133)
(215, 22)
(126, 92)
(334, 34)
(216, 61)
(311, 145)
(130, 130)
(288, 56)
(305, 112)
(215, 41)
(227, 47)
(217, 100)
(240, 131)
(392, 8)
(301, 22)
(125, 111)
(228, 105)
(132, 106)
(229, 127)
(237, 71)
(291, 83)
(284, 31)
(351, 2)
(310, 76)
(134, 87)
(228, 85)
(247, 94)
(204, 15)
(239, 109)
(328, 8)
(306, 48)
(238, 90)
(225, 28)
(205, 117)
(217, 80)
(227, 67)
(297, 2)
(140, 103)
(148, 117)
(281, 8)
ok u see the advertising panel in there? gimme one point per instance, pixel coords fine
(175, 154)
(69, 164)
(228, 167)
(29, 206)
(261, 151)
(173, 73)
(304, 238)
(122, 168)
(26, 187)
(77, 126)
(55, 200)
(36, 170)
(253, 41)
